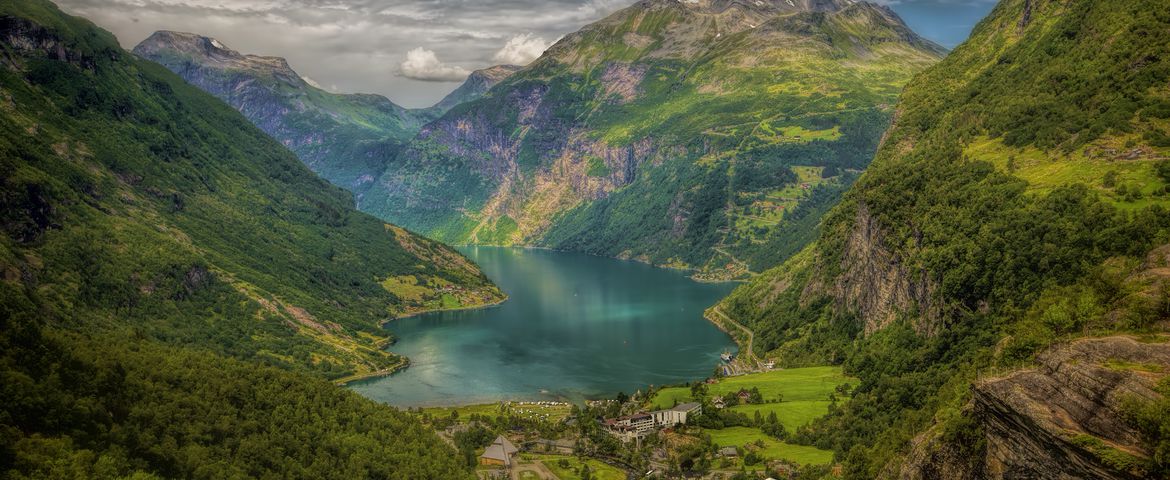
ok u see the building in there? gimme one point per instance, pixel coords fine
(634, 427)
(744, 395)
(728, 452)
(675, 416)
(639, 424)
(500, 452)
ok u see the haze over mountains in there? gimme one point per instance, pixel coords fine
(349, 139)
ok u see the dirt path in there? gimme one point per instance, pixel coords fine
(536, 467)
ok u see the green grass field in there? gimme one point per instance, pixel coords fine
(810, 384)
(805, 393)
(545, 412)
(600, 470)
(1045, 171)
(791, 414)
(773, 449)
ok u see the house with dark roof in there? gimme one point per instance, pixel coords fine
(500, 452)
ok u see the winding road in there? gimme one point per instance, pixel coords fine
(751, 336)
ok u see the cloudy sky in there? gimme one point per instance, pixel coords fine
(414, 51)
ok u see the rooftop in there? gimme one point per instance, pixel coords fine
(496, 452)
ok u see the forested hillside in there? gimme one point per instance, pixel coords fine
(1018, 202)
(709, 135)
(160, 255)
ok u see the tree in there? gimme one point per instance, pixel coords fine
(1110, 179)
(698, 390)
(1163, 170)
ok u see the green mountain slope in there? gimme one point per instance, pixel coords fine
(708, 134)
(132, 201)
(349, 139)
(1015, 204)
(176, 287)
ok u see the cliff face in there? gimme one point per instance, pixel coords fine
(1061, 419)
(877, 286)
(350, 139)
(688, 134)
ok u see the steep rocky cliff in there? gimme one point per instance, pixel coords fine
(707, 134)
(1063, 418)
(349, 139)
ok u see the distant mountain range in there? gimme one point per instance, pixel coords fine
(349, 139)
(708, 135)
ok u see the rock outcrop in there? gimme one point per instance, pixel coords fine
(875, 284)
(1062, 419)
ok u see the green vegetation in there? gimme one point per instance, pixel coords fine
(803, 393)
(1152, 419)
(108, 407)
(346, 139)
(1019, 191)
(750, 439)
(552, 413)
(571, 468)
(783, 401)
(703, 117)
(177, 287)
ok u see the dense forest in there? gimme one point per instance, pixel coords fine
(1014, 204)
(177, 286)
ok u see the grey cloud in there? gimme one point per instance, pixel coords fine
(357, 45)
(361, 45)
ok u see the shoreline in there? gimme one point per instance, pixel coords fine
(405, 363)
(497, 303)
(689, 271)
(343, 381)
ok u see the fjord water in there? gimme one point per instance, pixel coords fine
(575, 326)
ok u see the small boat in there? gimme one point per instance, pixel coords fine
(726, 356)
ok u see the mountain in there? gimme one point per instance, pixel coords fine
(349, 139)
(177, 287)
(1018, 203)
(476, 85)
(705, 134)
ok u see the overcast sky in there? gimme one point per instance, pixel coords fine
(414, 52)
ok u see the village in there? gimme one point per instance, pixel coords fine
(725, 427)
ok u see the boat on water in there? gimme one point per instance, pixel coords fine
(726, 356)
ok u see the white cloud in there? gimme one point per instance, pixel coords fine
(521, 50)
(423, 64)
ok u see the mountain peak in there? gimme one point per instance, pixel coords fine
(478, 83)
(719, 6)
(212, 52)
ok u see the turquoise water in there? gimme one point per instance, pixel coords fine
(575, 326)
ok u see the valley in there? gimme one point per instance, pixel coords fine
(717, 239)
